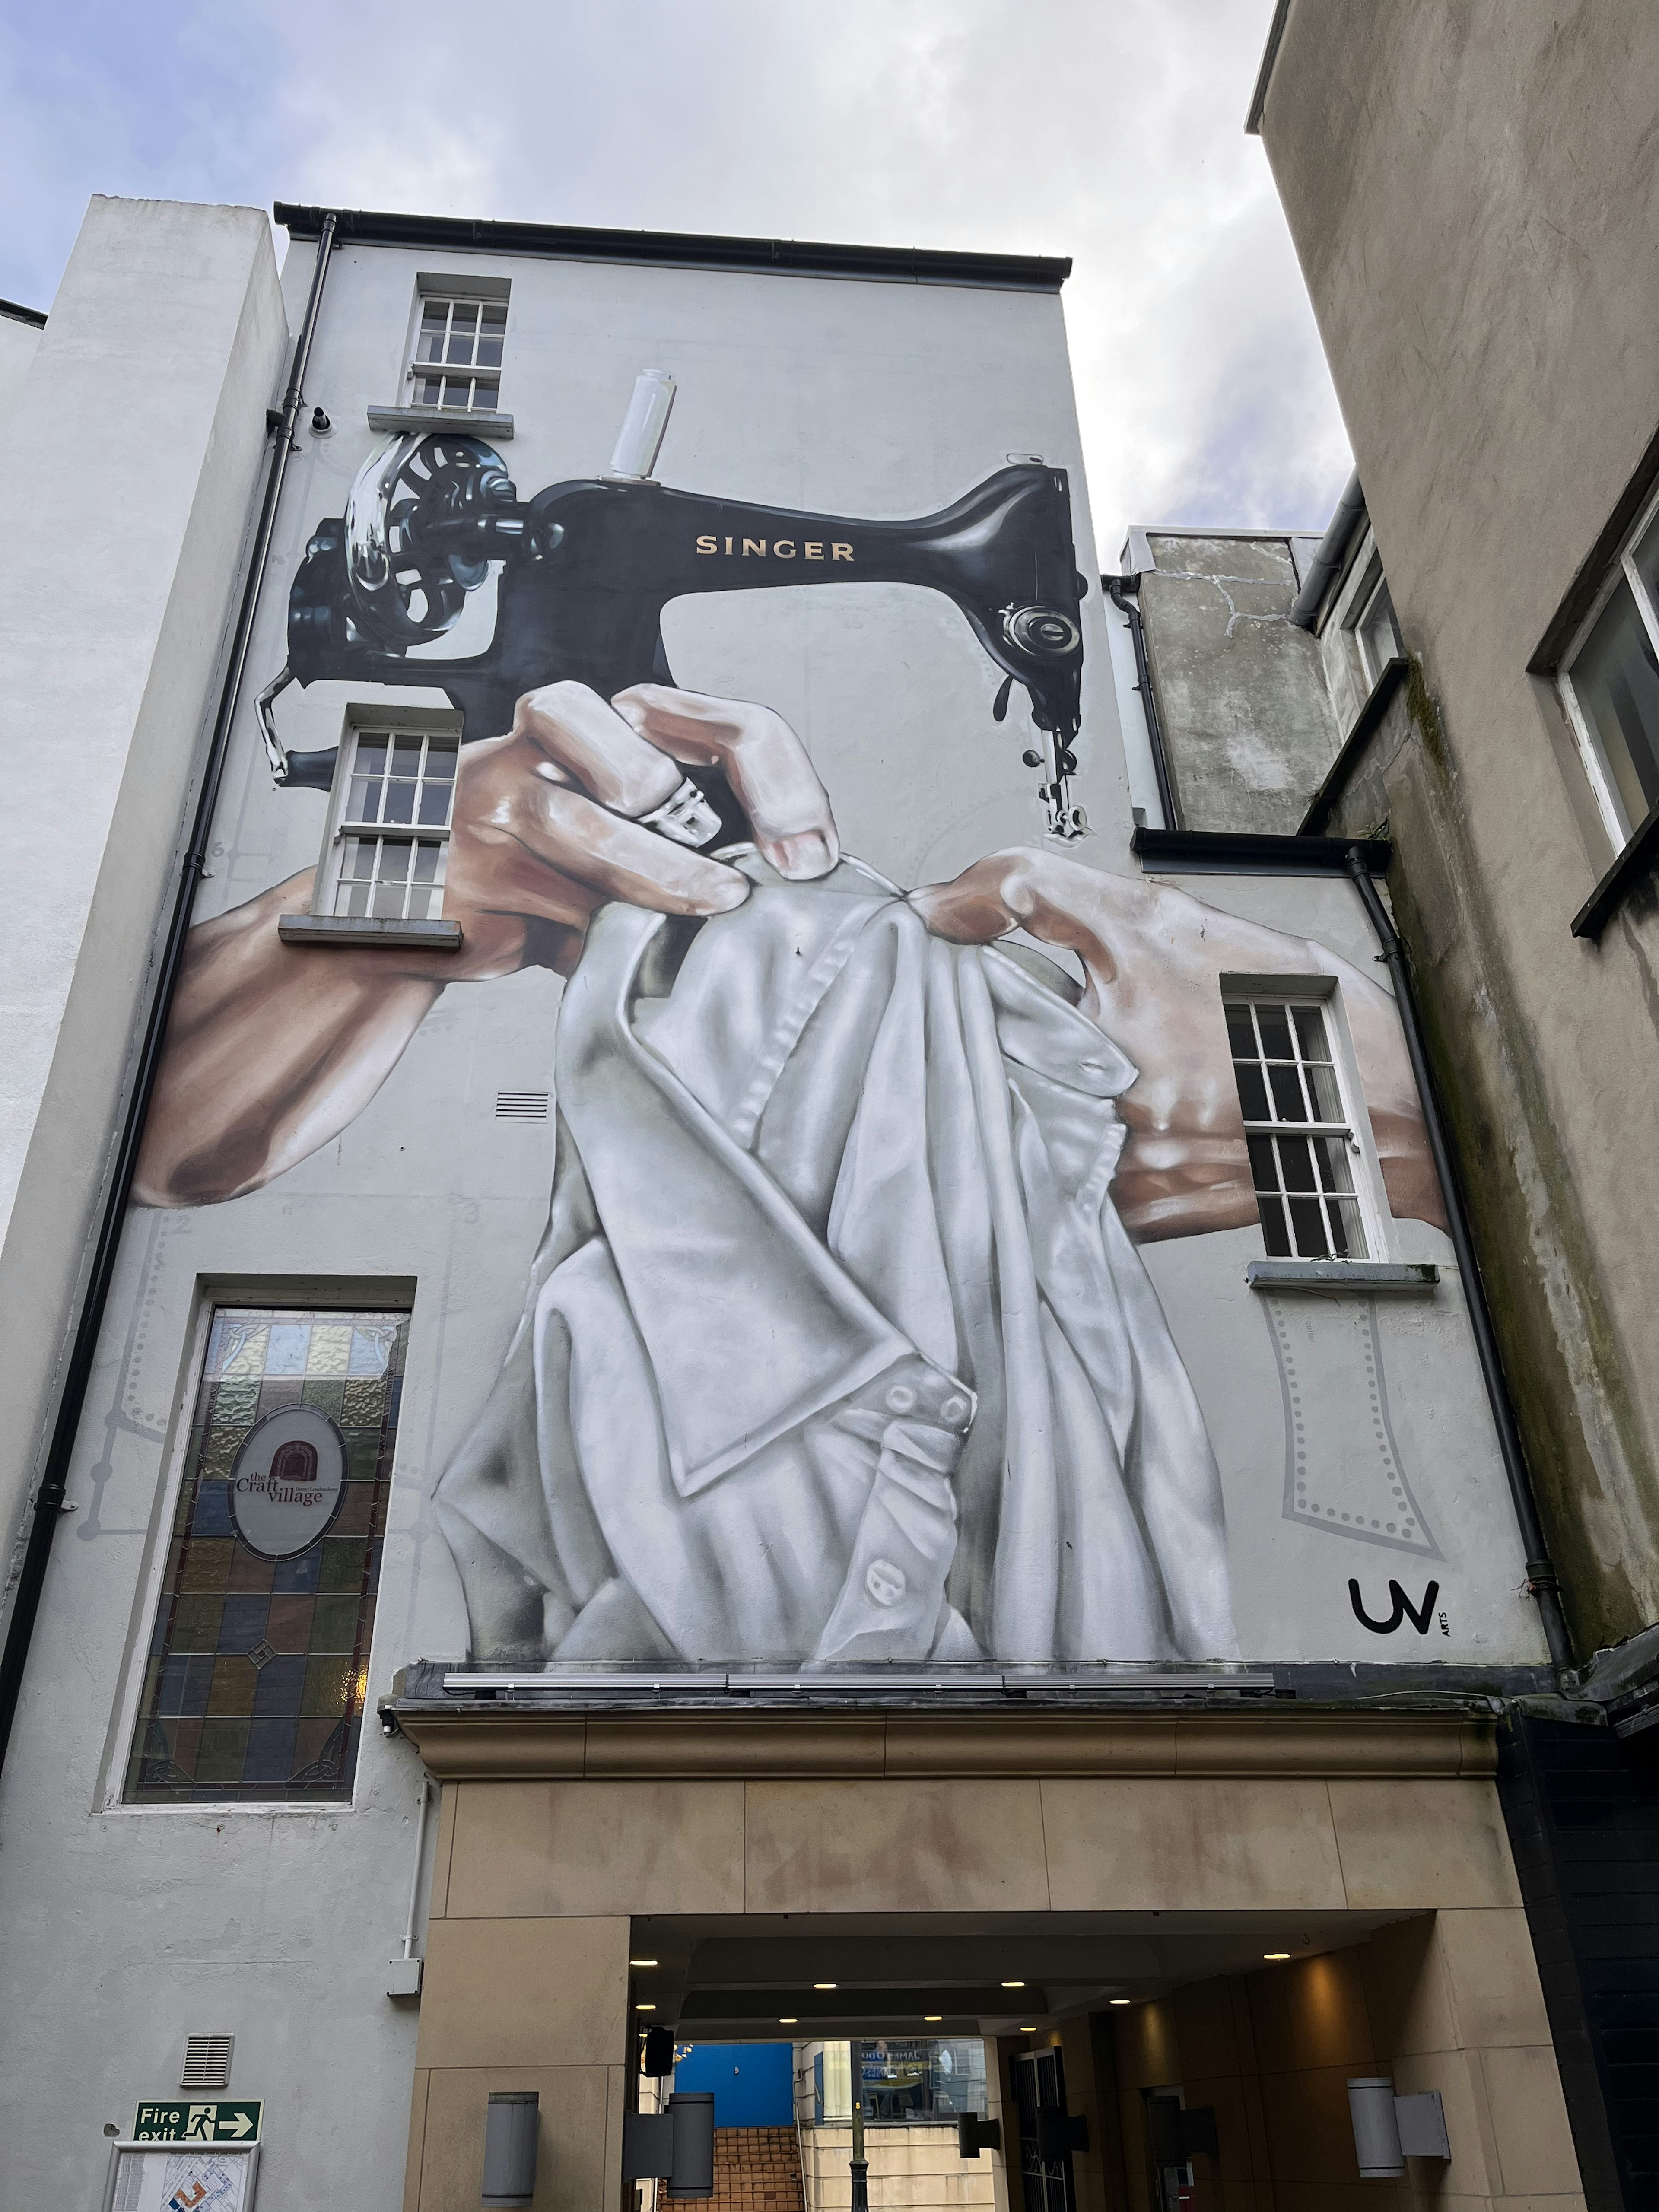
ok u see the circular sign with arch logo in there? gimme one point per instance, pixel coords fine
(287, 1481)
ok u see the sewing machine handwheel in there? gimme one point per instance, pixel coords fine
(404, 593)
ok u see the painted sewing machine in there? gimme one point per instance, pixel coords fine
(587, 567)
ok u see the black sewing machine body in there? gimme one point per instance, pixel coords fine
(588, 566)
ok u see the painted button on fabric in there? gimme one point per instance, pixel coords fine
(885, 1583)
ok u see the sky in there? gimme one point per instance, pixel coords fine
(1111, 131)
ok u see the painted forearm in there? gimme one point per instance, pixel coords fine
(271, 1050)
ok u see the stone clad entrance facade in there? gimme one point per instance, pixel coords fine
(1291, 1901)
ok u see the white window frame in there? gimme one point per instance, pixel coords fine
(1379, 590)
(375, 722)
(1369, 581)
(1376, 1219)
(1621, 571)
(211, 1293)
(455, 291)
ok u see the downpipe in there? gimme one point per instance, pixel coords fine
(1120, 591)
(49, 1500)
(1543, 1582)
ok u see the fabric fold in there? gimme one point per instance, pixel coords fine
(837, 1346)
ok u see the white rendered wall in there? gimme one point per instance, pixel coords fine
(131, 460)
(277, 1923)
(19, 342)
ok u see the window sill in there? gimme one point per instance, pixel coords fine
(1626, 871)
(354, 929)
(1399, 1278)
(486, 423)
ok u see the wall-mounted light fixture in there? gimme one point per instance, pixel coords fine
(511, 2121)
(1059, 2133)
(1388, 2130)
(1179, 2130)
(975, 2134)
(676, 2145)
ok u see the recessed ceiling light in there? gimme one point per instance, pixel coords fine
(932, 2015)
(1028, 2031)
(1119, 2000)
(830, 1985)
(641, 1962)
(1275, 1954)
(1013, 1985)
(786, 2020)
(645, 2007)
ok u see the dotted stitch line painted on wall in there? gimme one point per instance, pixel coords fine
(1352, 1482)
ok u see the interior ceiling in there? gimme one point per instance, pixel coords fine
(739, 1978)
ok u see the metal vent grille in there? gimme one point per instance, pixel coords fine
(207, 2061)
(521, 1105)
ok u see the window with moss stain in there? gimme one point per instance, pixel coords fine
(258, 1666)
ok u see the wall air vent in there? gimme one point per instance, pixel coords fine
(207, 2061)
(521, 1105)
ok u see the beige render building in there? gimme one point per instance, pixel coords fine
(1473, 193)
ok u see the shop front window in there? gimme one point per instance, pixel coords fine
(905, 2078)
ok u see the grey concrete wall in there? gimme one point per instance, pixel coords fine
(1472, 192)
(1248, 727)
(130, 466)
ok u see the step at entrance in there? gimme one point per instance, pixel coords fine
(757, 2170)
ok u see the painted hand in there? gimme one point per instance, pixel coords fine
(1154, 957)
(547, 819)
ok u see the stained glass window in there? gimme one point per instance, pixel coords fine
(258, 1666)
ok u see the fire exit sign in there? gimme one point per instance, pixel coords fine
(197, 2122)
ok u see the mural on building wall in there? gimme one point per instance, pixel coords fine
(839, 1344)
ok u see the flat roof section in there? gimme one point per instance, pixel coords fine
(890, 265)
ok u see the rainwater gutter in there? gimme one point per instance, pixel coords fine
(1543, 1582)
(1350, 511)
(1264, 76)
(49, 1500)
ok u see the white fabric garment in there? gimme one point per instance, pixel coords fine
(835, 1347)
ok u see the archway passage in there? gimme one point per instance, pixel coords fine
(1104, 2062)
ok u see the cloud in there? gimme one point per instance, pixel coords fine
(1108, 130)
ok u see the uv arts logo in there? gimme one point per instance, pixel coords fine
(1418, 1615)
